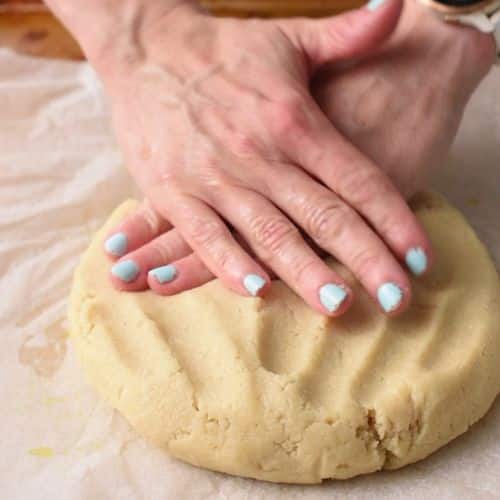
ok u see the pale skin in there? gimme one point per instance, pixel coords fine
(252, 153)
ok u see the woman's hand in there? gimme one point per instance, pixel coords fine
(402, 106)
(398, 98)
(218, 127)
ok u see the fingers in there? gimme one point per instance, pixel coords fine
(132, 272)
(163, 263)
(339, 229)
(367, 189)
(278, 243)
(344, 36)
(211, 240)
(136, 230)
(310, 141)
(183, 274)
(166, 265)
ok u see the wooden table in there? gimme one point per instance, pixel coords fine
(28, 27)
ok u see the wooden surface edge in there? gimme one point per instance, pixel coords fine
(28, 27)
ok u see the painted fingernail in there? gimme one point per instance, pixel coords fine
(117, 244)
(416, 260)
(332, 296)
(164, 274)
(390, 296)
(254, 284)
(374, 4)
(126, 270)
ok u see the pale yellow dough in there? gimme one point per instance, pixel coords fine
(272, 390)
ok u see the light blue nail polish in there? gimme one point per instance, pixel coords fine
(164, 274)
(332, 296)
(126, 270)
(416, 260)
(374, 4)
(390, 296)
(254, 284)
(117, 244)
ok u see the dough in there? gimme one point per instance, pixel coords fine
(269, 389)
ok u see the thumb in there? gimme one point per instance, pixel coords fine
(349, 35)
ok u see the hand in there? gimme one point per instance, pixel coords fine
(219, 126)
(405, 86)
(403, 105)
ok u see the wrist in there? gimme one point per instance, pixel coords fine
(111, 31)
(467, 43)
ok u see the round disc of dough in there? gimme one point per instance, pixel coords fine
(269, 389)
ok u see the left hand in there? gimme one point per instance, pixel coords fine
(402, 107)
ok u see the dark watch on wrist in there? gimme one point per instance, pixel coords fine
(484, 15)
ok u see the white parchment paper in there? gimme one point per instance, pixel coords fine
(60, 176)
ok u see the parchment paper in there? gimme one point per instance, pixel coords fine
(60, 176)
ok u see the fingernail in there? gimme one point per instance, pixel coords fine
(390, 296)
(332, 296)
(374, 4)
(126, 270)
(254, 284)
(164, 274)
(117, 244)
(416, 260)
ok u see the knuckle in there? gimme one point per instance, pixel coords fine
(149, 217)
(244, 145)
(212, 175)
(221, 257)
(273, 233)
(205, 233)
(303, 269)
(393, 227)
(365, 260)
(365, 187)
(168, 180)
(210, 237)
(163, 252)
(325, 220)
(288, 117)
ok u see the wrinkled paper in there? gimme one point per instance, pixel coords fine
(60, 176)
